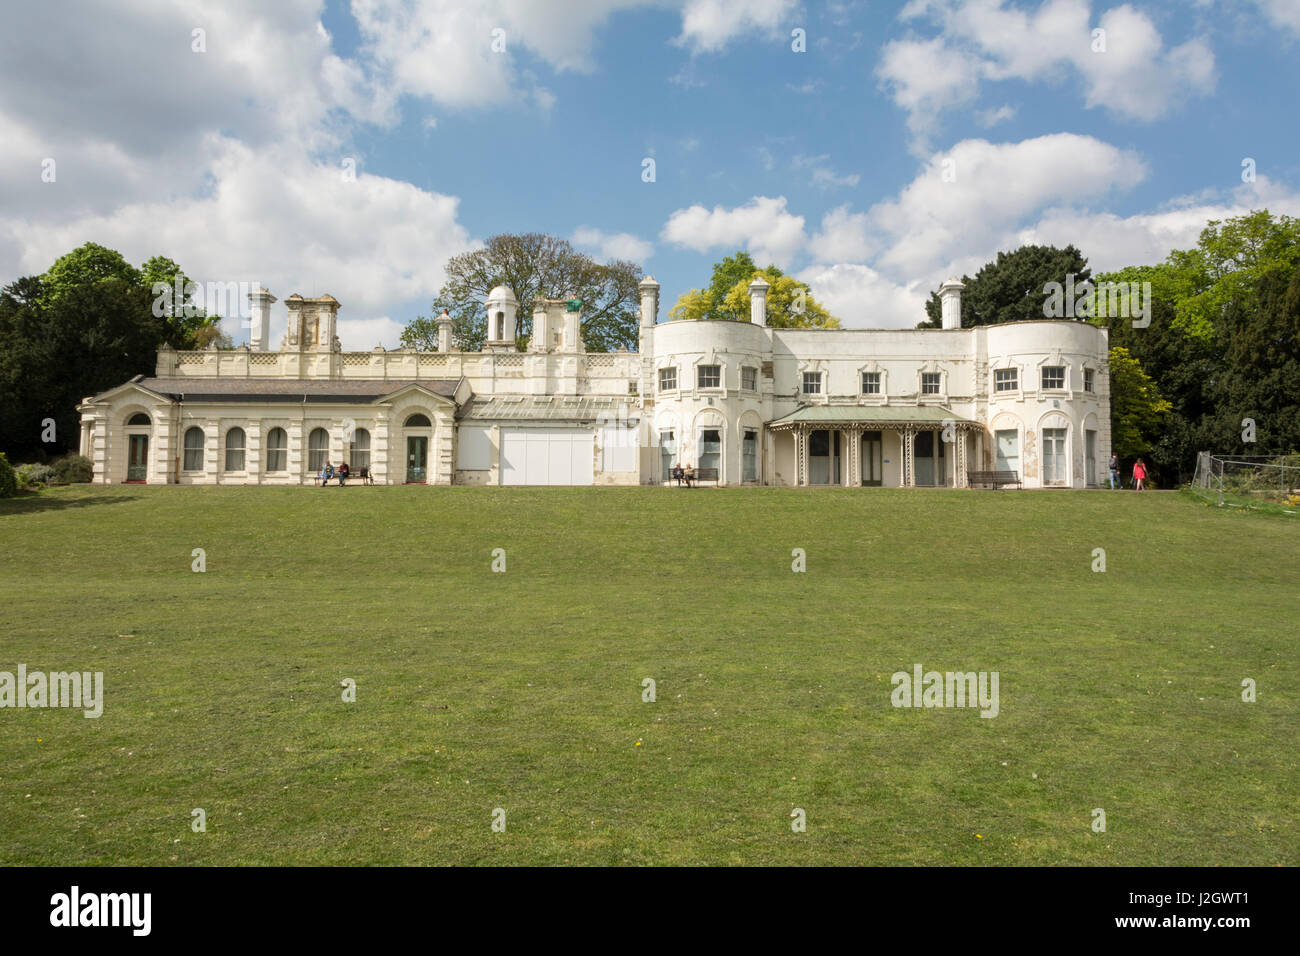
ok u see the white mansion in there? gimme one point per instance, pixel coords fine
(753, 404)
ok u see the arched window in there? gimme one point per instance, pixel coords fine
(235, 449)
(359, 453)
(194, 449)
(501, 326)
(139, 418)
(277, 450)
(318, 446)
(418, 421)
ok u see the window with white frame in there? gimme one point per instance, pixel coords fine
(1053, 377)
(668, 378)
(1087, 380)
(277, 450)
(812, 383)
(870, 383)
(235, 441)
(318, 448)
(930, 383)
(749, 379)
(708, 376)
(1005, 380)
(194, 449)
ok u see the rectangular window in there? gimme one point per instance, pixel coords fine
(812, 383)
(1087, 380)
(1005, 380)
(929, 383)
(1090, 456)
(710, 448)
(668, 379)
(709, 376)
(749, 379)
(1007, 445)
(870, 383)
(750, 449)
(1053, 377)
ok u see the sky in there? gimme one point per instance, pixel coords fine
(870, 148)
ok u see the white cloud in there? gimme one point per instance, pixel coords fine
(709, 25)
(1136, 77)
(1112, 242)
(992, 117)
(763, 226)
(278, 218)
(996, 187)
(864, 299)
(609, 246)
(1283, 13)
(844, 237)
(821, 174)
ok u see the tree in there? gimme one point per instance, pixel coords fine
(194, 331)
(790, 304)
(89, 262)
(1137, 409)
(1010, 288)
(93, 336)
(421, 334)
(537, 266)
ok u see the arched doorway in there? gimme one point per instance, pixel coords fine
(419, 436)
(138, 427)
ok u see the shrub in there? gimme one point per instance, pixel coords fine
(34, 476)
(8, 483)
(73, 469)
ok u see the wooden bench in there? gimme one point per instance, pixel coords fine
(706, 474)
(362, 475)
(994, 479)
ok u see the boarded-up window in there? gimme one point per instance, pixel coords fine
(475, 448)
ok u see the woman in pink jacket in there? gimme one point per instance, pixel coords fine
(1139, 475)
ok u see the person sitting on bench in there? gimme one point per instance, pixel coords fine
(690, 475)
(343, 473)
(326, 474)
(678, 474)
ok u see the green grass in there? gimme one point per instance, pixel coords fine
(522, 690)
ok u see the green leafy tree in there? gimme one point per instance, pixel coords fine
(1137, 409)
(790, 303)
(91, 337)
(87, 263)
(195, 331)
(537, 266)
(421, 334)
(1010, 288)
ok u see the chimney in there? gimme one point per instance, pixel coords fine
(649, 301)
(259, 336)
(444, 332)
(758, 301)
(950, 303)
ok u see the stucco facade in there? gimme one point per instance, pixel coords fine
(785, 407)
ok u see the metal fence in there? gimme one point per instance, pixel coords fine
(1270, 482)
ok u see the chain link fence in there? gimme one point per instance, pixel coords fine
(1259, 482)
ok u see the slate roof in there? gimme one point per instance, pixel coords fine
(336, 391)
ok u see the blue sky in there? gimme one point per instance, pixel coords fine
(908, 141)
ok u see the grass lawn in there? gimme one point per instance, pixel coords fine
(477, 690)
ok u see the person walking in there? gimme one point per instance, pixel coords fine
(1114, 471)
(1139, 475)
